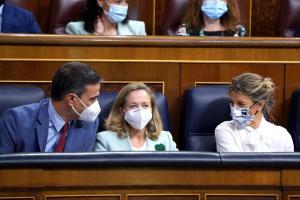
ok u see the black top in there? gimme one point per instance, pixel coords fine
(239, 32)
(212, 33)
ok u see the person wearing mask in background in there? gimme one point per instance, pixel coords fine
(252, 96)
(212, 18)
(66, 122)
(16, 20)
(134, 123)
(106, 17)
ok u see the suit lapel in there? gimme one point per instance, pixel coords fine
(7, 18)
(42, 125)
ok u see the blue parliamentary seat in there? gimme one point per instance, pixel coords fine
(203, 109)
(294, 119)
(106, 100)
(13, 96)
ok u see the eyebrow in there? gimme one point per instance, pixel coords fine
(96, 96)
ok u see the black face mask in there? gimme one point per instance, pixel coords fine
(2, 2)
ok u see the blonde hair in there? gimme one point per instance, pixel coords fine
(256, 88)
(116, 122)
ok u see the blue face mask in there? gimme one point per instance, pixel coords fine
(116, 13)
(214, 9)
(241, 116)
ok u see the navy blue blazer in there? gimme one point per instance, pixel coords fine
(18, 20)
(25, 129)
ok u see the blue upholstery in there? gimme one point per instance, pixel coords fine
(106, 100)
(204, 108)
(13, 96)
(294, 119)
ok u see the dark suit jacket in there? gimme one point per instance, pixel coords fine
(25, 129)
(18, 20)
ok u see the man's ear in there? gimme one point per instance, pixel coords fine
(70, 99)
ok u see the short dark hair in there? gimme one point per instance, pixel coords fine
(73, 77)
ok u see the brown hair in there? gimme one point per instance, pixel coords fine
(116, 122)
(256, 88)
(194, 17)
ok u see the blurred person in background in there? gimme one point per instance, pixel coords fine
(212, 18)
(107, 18)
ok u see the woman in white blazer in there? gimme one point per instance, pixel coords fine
(134, 123)
(106, 17)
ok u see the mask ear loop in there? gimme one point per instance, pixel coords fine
(80, 101)
(252, 106)
(122, 111)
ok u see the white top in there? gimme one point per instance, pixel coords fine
(1, 11)
(266, 138)
(142, 148)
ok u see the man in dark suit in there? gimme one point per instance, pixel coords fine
(16, 20)
(66, 122)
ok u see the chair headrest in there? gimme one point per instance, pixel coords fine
(19, 95)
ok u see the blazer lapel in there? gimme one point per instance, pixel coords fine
(7, 18)
(151, 144)
(42, 125)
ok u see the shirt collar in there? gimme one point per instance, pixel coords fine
(1, 10)
(261, 125)
(56, 119)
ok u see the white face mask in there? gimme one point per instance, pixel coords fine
(116, 13)
(90, 113)
(138, 118)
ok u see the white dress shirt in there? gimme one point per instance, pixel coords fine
(266, 138)
(1, 14)
(56, 123)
